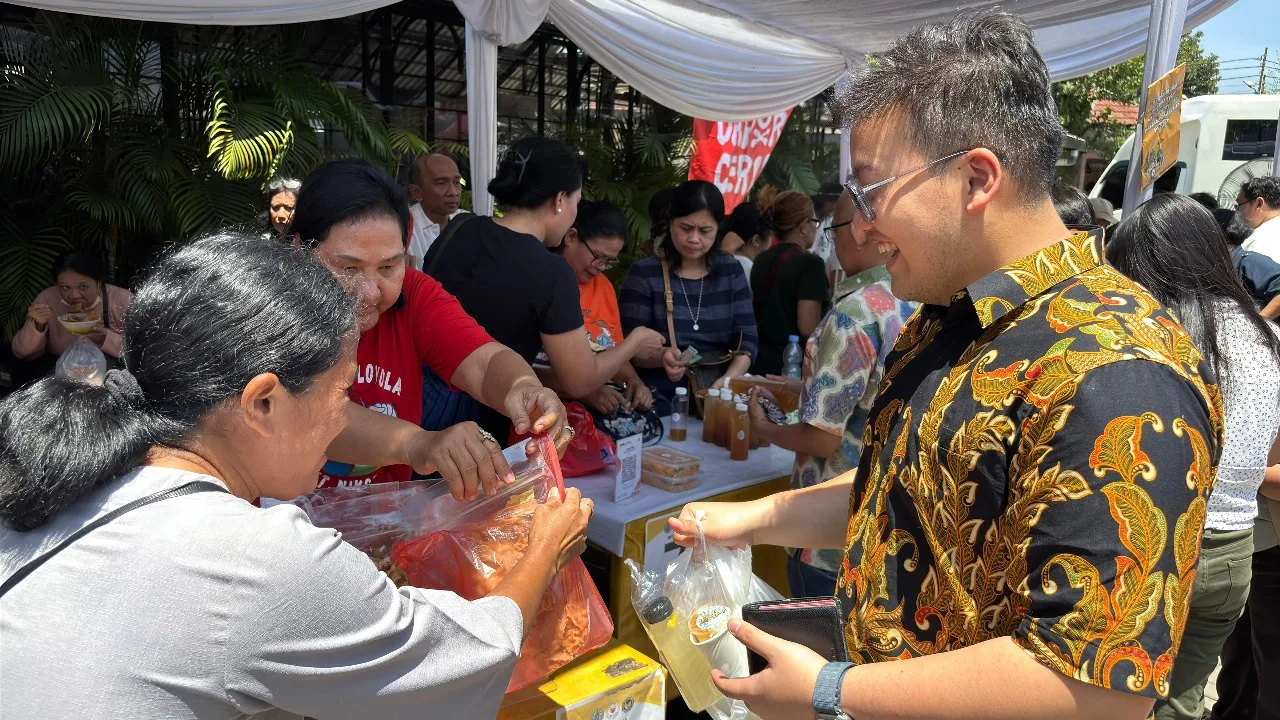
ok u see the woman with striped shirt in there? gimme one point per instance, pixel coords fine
(711, 300)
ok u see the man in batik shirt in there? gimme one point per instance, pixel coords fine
(1022, 531)
(843, 363)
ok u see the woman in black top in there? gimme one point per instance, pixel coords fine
(788, 283)
(505, 277)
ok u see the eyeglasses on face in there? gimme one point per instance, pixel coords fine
(859, 192)
(601, 262)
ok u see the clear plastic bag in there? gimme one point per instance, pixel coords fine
(83, 362)
(469, 547)
(371, 517)
(708, 585)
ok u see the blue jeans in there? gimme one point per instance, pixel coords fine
(807, 580)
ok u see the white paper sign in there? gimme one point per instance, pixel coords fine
(627, 482)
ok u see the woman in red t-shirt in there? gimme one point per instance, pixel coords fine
(355, 218)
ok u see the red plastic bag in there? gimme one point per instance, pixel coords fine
(468, 548)
(591, 449)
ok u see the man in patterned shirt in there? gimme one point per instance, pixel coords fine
(1022, 531)
(843, 363)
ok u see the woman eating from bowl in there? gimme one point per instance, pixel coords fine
(710, 309)
(134, 568)
(591, 247)
(503, 273)
(81, 304)
(355, 219)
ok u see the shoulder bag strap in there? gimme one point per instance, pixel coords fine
(767, 284)
(669, 298)
(443, 241)
(195, 486)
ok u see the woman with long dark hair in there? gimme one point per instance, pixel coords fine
(1174, 246)
(503, 273)
(136, 571)
(356, 220)
(710, 300)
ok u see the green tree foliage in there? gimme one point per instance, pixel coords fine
(122, 136)
(1123, 83)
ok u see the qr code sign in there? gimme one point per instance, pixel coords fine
(630, 466)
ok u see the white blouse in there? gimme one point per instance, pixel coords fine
(1251, 403)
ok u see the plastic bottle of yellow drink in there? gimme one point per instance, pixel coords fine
(670, 634)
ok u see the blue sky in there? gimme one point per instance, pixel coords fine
(1242, 31)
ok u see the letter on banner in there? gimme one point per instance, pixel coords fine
(732, 155)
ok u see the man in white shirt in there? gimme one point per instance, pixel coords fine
(1259, 203)
(436, 184)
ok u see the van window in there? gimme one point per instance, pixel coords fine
(1113, 185)
(1249, 139)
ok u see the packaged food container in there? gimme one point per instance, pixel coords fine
(665, 483)
(670, 463)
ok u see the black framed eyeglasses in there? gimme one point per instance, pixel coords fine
(859, 192)
(831, 230)
(601, 262)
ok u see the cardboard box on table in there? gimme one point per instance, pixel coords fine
(614, 683)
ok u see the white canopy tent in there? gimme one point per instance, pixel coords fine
(714, 59)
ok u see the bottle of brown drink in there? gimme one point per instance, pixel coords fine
(679, 416)
(725, 418)
(710, 414)
(739, 429)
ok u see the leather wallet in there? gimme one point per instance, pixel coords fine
(812, 622)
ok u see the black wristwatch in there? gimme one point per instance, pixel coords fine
(826, 692)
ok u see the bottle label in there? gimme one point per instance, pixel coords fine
(742, 435)
(675, 417)
(709, 621)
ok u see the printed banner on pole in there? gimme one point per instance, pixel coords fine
(1162, 125)
(732, 154)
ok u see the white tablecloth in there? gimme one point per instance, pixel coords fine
(719, 474)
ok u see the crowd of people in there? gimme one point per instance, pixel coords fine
(1035, 450)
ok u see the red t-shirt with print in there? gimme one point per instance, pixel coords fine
(427, 326)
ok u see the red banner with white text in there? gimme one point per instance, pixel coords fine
(732, 154)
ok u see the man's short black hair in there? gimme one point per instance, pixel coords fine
(1072, 205)
(1206, 199)
(1267, 188)
(977, 81)
(415, 167)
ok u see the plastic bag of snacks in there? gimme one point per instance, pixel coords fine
(82, 362)
(468, 548)
(707, 586)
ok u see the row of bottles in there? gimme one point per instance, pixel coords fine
(725, 423)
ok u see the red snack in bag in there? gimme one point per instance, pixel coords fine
(590, 450)
(468, 548)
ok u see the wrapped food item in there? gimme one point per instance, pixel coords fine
(670, 463)
(82, 362)
(468, 547)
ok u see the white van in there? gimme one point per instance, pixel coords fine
(1220, 133)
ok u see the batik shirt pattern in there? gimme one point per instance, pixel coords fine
(1036, 466)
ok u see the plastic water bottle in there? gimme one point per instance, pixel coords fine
(792, 358)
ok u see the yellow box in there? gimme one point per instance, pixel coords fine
(614, 683)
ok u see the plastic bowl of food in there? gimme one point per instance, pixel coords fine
(78, 323)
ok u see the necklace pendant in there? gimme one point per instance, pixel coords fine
(695, 327)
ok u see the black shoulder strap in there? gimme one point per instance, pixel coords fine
(437, 248)
(195, 486)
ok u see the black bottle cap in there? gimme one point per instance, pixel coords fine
(657, 611)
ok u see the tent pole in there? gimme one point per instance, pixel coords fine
(482, 116)
(1164, 36)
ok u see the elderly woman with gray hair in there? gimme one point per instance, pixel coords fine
(282, 200)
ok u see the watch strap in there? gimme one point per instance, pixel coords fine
(826, 691)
